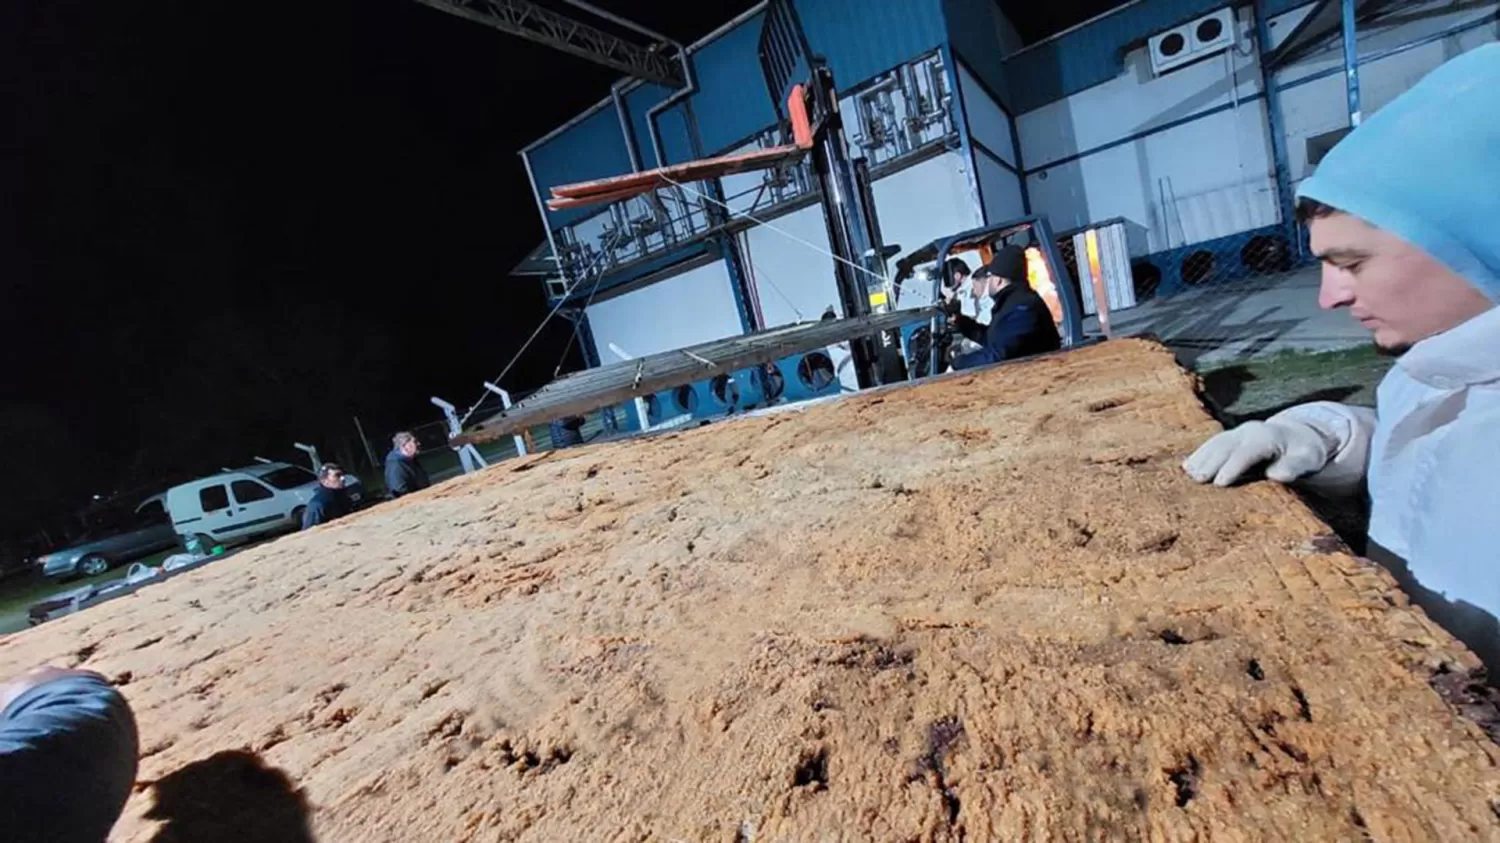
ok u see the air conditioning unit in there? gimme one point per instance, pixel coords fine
(1212, 33)
(1172, 48)
(1190, 42)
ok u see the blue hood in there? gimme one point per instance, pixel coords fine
(1426, 167)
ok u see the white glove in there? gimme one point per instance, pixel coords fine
(1292, 448)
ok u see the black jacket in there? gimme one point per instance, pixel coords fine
(326, 505)
(1020, 326)
(404, 475)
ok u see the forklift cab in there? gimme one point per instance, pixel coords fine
(926, 267)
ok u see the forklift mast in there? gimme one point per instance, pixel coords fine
(792, 71)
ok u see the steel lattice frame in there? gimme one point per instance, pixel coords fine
(534, 23)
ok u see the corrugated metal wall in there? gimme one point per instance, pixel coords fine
(862, 38)
(639, 101)
(732, 102)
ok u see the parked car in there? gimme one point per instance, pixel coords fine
(248, 503)
(149, 532)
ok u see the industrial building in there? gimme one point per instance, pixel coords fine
(1185, 124)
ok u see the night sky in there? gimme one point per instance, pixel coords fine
(225, 227)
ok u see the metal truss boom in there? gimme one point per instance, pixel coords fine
(534, 23)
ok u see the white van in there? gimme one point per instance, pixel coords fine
(248, 503)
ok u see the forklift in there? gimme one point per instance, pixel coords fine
(887, 344)
(925, 270)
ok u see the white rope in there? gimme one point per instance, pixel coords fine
(755, 276)
(534, 334)
(702, 197)
(784, 233)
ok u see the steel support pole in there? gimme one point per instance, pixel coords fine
(365, 441)
(541, 207)
(1286, 200)
(1351, 62)
(848, 226)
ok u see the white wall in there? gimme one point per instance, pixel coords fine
(1000, 190)
(794, 278)
(693, 307)
(988, 124)
(993, 142)
(1213, 176)
(1135, 101)
(920, 204)
(1321, 106)
(1206, 178)
(794, 281)
(788, 258)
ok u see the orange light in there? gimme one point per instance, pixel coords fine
(1040, 278)
(1096, 279)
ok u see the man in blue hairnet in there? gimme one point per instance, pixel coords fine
(1405, 215)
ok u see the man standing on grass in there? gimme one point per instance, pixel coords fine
(1405, 215)
(403, 474)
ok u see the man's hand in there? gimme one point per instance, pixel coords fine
(1292, 449)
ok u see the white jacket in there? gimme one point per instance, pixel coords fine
(1431, 455)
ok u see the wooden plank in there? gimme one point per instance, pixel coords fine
(623, 187)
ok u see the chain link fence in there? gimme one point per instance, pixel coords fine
(1216, 302)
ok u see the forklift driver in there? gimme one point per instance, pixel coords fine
(955, 276)
(1020, 323)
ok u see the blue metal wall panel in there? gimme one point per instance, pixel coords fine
(974, 33)
(591, 149)
(1095, 53)
(732, 102)
(861, 38)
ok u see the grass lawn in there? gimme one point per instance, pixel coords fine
(19, 593)
(1260, 388)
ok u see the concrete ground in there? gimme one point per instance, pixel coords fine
(1226, 322)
